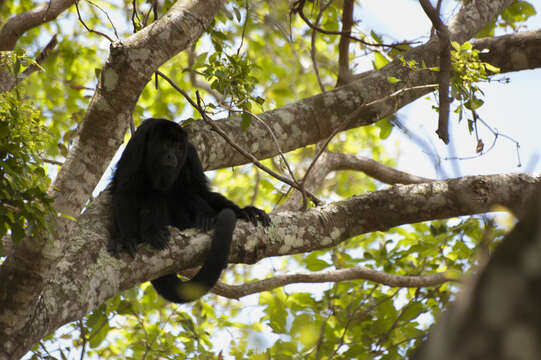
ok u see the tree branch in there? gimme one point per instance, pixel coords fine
(514, 52)
(88, 275)
(357, 273)
(331, 161)
(445, 69)
(17, 25)
(344, 73)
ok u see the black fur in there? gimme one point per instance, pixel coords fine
(158, 182)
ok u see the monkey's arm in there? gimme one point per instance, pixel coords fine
(126, 234)
(248, 213)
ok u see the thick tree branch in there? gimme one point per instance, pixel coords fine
(374, 169)
(16, 26)
(88, 275)
(515, 52)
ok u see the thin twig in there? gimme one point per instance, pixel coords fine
(86, 27)
(298, 7)
(277, 143)
(42, 56)
(51, 161)
(496, 134)
(313, 46)
(82, 330)
(243, 29)
(134, 16)
(108, 18)
(349, 274)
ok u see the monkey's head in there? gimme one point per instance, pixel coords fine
(165, 154)
(155, 154)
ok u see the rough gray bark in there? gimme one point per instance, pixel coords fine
(515, 52)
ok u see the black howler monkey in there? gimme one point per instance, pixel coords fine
(159, 181)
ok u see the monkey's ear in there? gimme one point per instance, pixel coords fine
(133, 157)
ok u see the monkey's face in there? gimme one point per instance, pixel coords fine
(165, 158)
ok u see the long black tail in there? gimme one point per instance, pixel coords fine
(171, 288)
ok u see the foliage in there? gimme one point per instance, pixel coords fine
(24, 205)
(468, 71)
(230, 76)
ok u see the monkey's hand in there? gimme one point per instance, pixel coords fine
(116, 246)
(253, 215)
(158, 238)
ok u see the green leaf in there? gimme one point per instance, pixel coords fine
(246, 121)
(305, 330)
(492, 68)
(466, 46)
(470, 126)
(275, 310)
(67, 216)
(379, 60)
(17, 232)
(385, 127)
(237, 14)
(4, 129)
(200, 60)
(413, 310)
(97, 338)
(473, 103)
(393, 80)
(315, 264)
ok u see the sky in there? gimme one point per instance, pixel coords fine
(512, 109)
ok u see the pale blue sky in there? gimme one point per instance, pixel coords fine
(512, 109)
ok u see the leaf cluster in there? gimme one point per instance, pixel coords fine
(468, 72)
(25, 207)
(231, 76)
